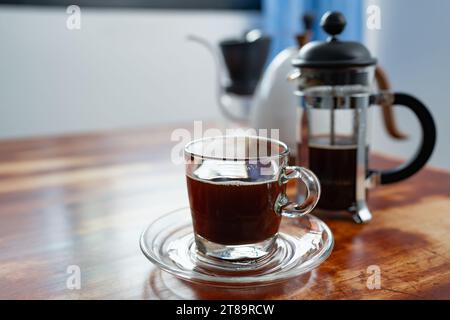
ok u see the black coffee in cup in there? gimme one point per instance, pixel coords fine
(234, 212)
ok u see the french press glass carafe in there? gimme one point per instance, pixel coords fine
(334, 80)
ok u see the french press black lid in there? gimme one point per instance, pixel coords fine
(333, 53)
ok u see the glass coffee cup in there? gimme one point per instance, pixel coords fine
(237, 194)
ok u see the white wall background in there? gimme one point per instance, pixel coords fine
(133, 68)
(122, 69)
(413, 46)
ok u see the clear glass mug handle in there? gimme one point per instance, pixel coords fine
(287, 208)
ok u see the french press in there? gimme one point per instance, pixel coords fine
(334, 80)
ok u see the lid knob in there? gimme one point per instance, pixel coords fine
(333, 53)
(308, 21)
(333, 22)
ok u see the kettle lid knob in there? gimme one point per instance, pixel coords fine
(333, 22)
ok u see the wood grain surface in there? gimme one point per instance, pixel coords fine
(84, 200)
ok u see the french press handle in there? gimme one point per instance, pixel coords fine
(428, 139)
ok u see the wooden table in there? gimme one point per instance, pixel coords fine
(83, 201)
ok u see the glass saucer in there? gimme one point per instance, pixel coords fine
(302, 244)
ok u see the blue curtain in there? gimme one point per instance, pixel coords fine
(283, 19)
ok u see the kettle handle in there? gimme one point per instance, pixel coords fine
(427, 143)
(389, 119)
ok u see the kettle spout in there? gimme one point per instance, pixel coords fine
(222, 77)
